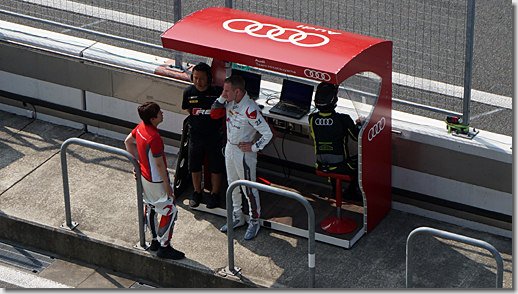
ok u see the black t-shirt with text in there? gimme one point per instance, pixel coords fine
(200, 103)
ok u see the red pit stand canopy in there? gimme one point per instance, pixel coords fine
(307, 51)
(275, 44)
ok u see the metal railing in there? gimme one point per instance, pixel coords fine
(64, 169)
(266, 188)
(454, 237)
(433, 41)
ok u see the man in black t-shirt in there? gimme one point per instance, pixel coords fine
(206, 134)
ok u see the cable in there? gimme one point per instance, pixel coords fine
(279, 156)
(285, 158)
(270, 95)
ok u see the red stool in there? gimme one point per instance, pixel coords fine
(338, 224)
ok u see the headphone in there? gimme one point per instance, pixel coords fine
(202, 66)
(326, 96)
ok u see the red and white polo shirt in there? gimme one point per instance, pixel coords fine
(149, 146)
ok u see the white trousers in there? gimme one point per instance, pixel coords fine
(242, 166)
(157, 201)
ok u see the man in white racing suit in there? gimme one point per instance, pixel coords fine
(244, 120)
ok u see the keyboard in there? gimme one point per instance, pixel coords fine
(288, 110)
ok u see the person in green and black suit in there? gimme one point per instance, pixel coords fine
(330, 132)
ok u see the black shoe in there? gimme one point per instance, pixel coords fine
(170, 253)
(195, 199)
(154, 245)
(213, 201)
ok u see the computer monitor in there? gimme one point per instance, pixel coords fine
(297, 93)
(252, 82)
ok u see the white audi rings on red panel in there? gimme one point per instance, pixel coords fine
(274, 32)
(327, 122)
(376, 129)
(317, 75)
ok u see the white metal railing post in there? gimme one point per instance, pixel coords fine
(454, 237)
(266, 188)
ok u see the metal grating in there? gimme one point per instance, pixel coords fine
(23, 258)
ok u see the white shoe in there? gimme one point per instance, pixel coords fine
(239, 221)
(253, 229)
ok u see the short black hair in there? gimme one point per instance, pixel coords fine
(202, 66)
(147, 111)
(236, 82)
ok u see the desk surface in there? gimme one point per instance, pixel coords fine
(270, 94)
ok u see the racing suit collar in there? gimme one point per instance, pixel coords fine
(245, 97)
(326, 113)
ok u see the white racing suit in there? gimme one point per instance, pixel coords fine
(244, 120)
(157, 201)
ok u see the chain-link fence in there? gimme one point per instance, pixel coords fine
(429, 37)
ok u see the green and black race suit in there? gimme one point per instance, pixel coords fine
(330, 132)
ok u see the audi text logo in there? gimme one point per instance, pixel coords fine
(275, 32)
(322, 76)
(326, 122)
(376, 129)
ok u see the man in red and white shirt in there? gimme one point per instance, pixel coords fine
(158, 193)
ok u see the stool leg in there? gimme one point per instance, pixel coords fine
(338, 198)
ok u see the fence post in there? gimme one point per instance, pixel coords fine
(178, 56)
(468, 67)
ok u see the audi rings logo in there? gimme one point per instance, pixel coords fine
(326, 122)
(275, 32)
(322, 76)
(376, 129)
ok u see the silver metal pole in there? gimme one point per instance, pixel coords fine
(454, 237)
(266, 188)
(140, 200)
(470, 34)
(228, 3)
(66, 192)
(177, 10)
(230, 228)
(109, 149)
(178, 56)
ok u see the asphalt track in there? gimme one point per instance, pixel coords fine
(492, 60)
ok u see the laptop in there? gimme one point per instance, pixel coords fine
(295, 99)
(252, 82)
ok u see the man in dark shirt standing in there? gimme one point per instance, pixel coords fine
(205, 133)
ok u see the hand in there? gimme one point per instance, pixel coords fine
(245, 147)
(135, 173)
(169, 190)
(360, 120)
